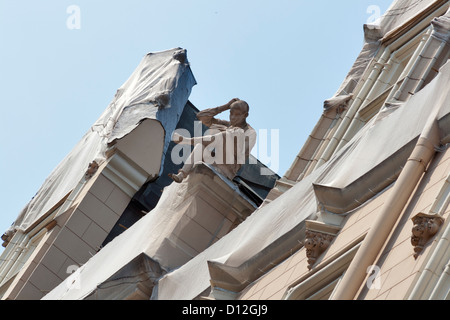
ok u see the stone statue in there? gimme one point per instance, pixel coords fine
(226, 144)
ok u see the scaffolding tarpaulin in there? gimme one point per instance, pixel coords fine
(399, 124)
(158, 89)
(268, 223)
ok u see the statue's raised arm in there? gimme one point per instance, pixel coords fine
(235, 132)
(207, 116)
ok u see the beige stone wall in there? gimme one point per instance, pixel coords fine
(398, 267)
(72, 241)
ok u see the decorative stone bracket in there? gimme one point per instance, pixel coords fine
(338, 103)
(424, 228)
(318, 238)
(316, 243)
(92, 169)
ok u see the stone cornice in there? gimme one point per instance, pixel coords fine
(441, 28)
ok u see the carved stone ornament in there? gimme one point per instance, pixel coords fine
(92, 169)
(316, 243)
(424, 228)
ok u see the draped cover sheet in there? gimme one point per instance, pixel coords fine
(399, 124)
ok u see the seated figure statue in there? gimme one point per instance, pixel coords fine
(226, 145)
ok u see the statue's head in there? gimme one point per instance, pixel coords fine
(238, 113)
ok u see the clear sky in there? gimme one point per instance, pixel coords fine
(283, 57)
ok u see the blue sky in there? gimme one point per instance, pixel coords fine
(283, 57)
